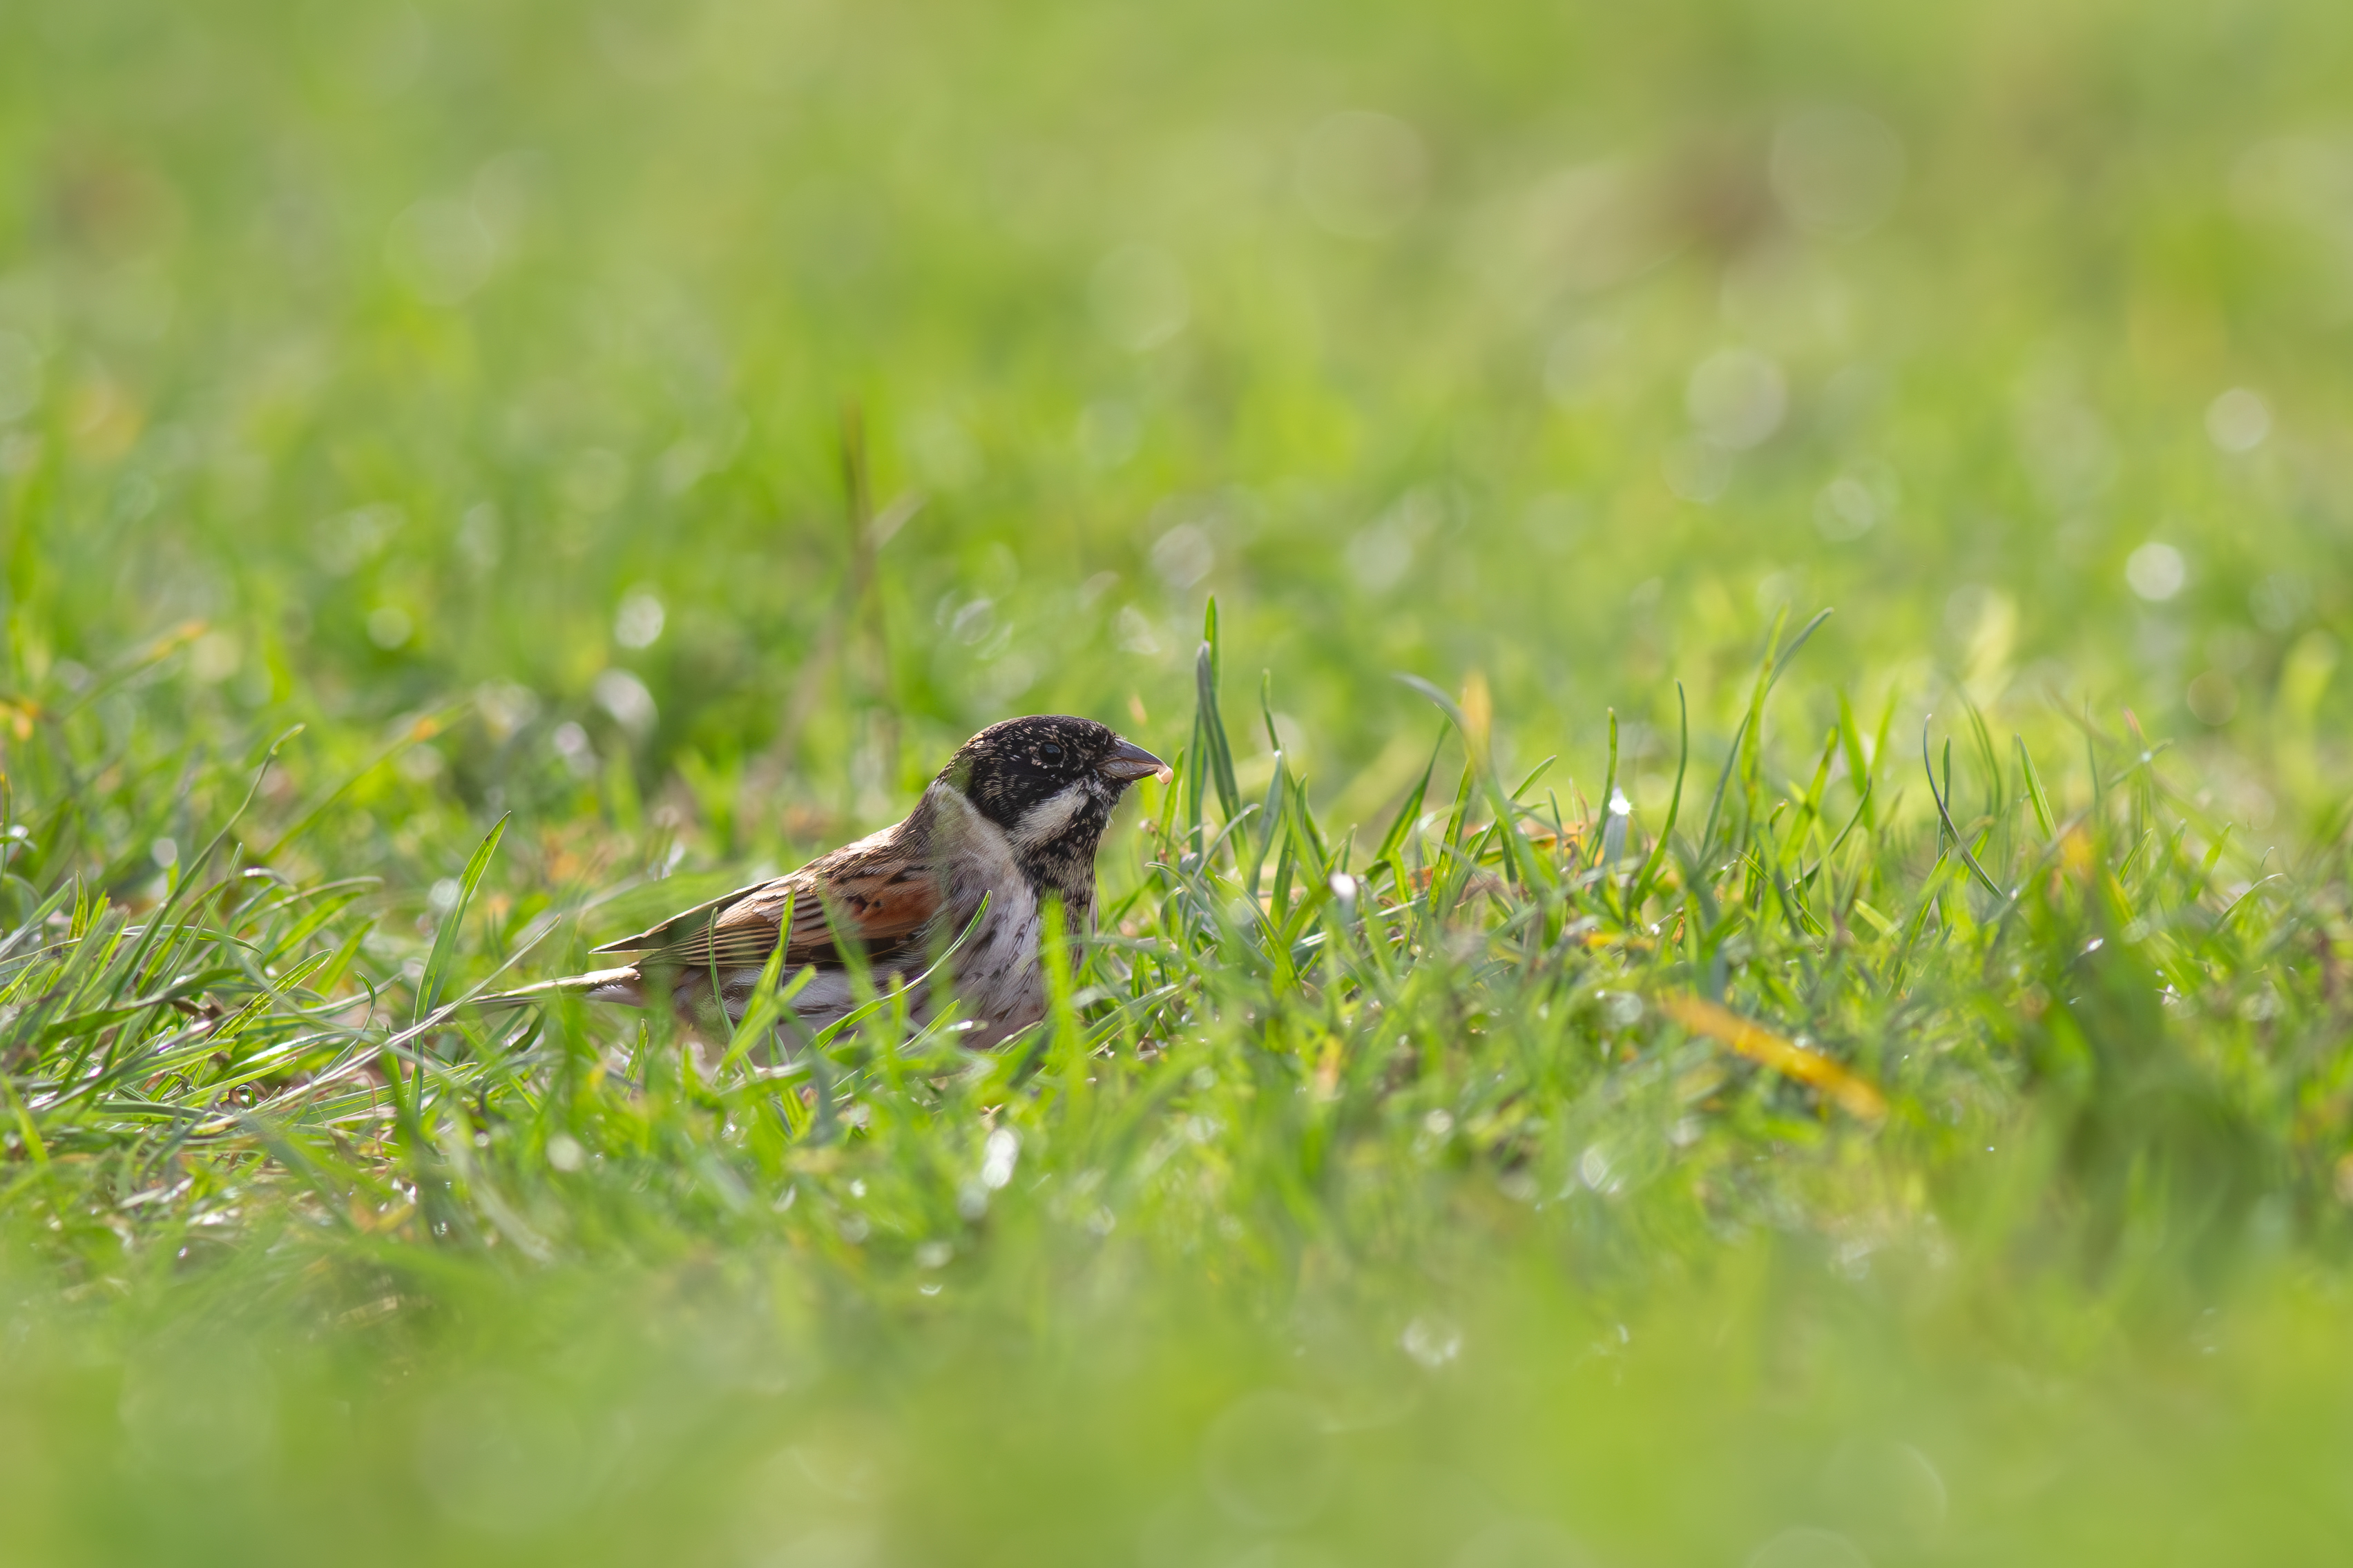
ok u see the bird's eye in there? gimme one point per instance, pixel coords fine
(1050, 752)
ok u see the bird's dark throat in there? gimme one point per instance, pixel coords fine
(1064, 865)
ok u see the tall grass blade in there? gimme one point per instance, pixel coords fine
(438, 964)
(1657, 860)
(1410, 812)
(1218, 747)
(1944, 813)
(2035, 797)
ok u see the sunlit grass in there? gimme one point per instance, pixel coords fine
(1509, 1099)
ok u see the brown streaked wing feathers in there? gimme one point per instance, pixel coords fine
(682, 925)
(885, 902)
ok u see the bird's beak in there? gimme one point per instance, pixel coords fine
(1129, 762)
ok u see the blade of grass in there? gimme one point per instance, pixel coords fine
(1609, 793)
(1651, 867)
(1769, 674)
(1945, 814)
(1402, 824)
(445, 940)
(1219, 749)
(2034, 792)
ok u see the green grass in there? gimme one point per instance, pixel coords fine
(476, 478)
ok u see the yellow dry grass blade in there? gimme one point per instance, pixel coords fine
(1791, 1060)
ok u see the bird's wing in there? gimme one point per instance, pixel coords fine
(880, 898)
(684, 924)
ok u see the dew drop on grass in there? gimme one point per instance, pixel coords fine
(639, 622)
(1184, 555)
(969, 623)
(1134, 632)
(572, 744)
(1613, 832)
(1432, 1342)
(2238, 421)
(1004, 1146)
(388, 627)
(1856, 502)
(2213, 697)
(214, 657)
(627, 699)
(2155, 571)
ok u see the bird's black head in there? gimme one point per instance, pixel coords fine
(1047, 778)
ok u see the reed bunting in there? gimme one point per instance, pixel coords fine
(1016, 817)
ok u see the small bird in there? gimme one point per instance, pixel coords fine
(1014, 819)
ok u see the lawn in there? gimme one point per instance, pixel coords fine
(1747, 962)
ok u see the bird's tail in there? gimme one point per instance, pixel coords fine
(624, 986)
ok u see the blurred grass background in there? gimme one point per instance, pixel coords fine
(680, 424)
(425, 354)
